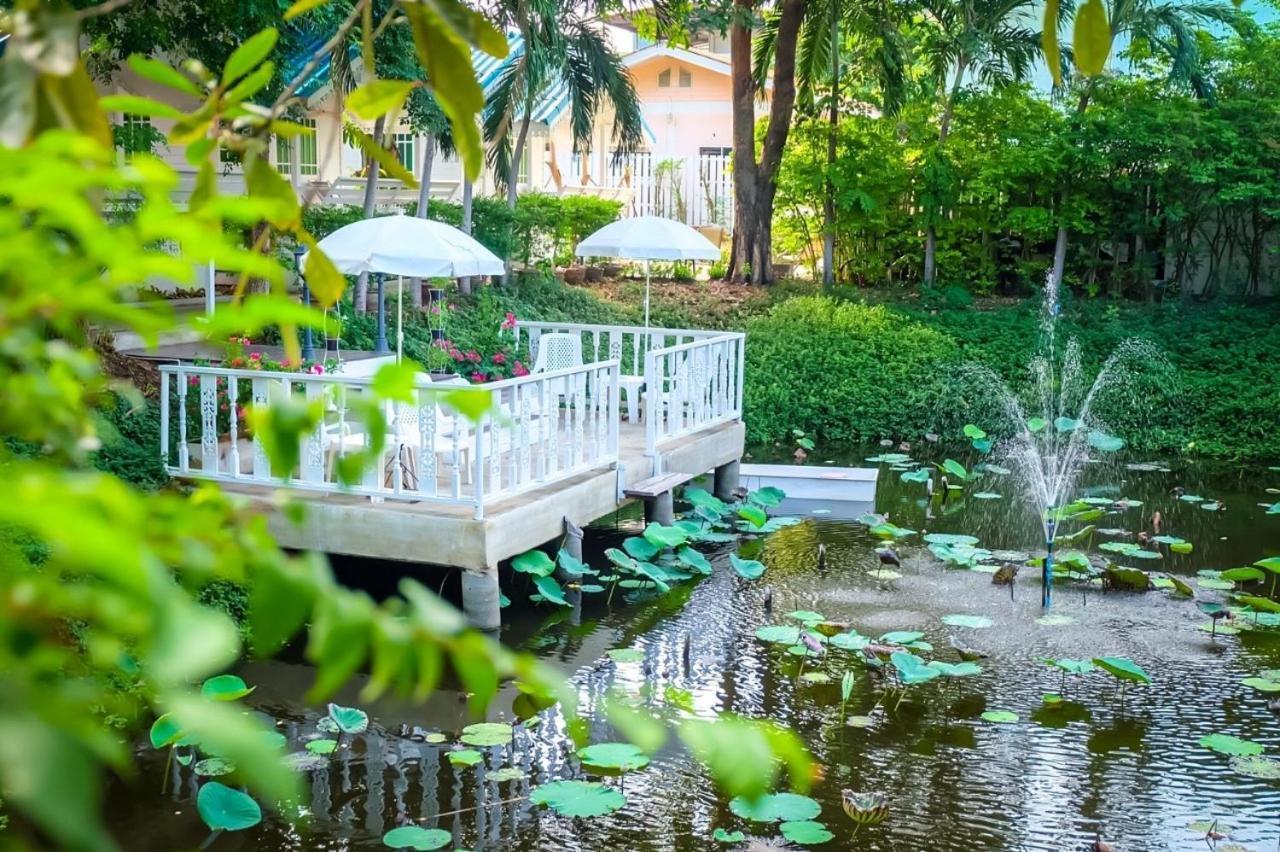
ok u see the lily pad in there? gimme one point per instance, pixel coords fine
(626, 655)
(1217, 584)
(1231, 745)
(435, 738)
(324, 746)
(806, 832)
(807, 616)
(165, 732)
(860, 721)
(1000, 717)
(226, 809)
(779, 634)
(663, 536)
(578, 798)
(901, 637)
(225, 688)
(951, 538)
(749, 569)
(620, 757)
(911, 670)
(961, 620)
(1122, 668)
(465, 757)
(484, 734)
(722, 836)
(1262, 684)
(533, 562)
(350, 720)
(417, 838)
(776, 807)
(213, 766)
(507, 773)
(1255, 766)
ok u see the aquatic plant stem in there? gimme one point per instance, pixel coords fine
(208, 841)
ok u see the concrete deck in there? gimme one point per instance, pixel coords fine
(449, 535)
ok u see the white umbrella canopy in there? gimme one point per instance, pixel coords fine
(648, 238)
(403, 245)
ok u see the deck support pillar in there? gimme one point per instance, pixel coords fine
(726, 480)
(660, 509)
(481, 599)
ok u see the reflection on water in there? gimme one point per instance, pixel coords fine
(1127, 766)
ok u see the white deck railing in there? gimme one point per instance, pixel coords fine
(541, 429)
(691, 379)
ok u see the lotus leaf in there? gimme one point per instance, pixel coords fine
(704, 499)
(1077, 667)
(1105, 443)
(533, 562)
(806, 832)
(889, 458)
(1259, 603)
(951, 467)
(988, 495)
(850, 641)
(1271, 563)
(626, 655)
(164, 732)
(694, 559)
(663, 536)
(1055, 620)
(1000, 717)
(722, 836)
(213, 766)
(1254, 766)
(910, 669)
(465, 757)
(1066, 424)
(816, 677)
(1262, 684)
(578, 798)
(753, 515)
(776, 807)
(225, 809)
(1231, 745)
(988, 467)
(305, 761)
(747, 568)
(1122, 668)
(974, 621)
(1215, 583)
(920, 475)
(779, 634)
(900, 637)
(435, 738)
(860, 721)
(640, 548)
(1246, 574)
(951, 538)
(417, 838)
(322, 746)
(767, 496)
(550, 590)
(1035, 424)
(508, 773)
(955, 669)
(484, 734)
(621, 757)
(807, 616)
(225, 688)
(1127, 578)
(887, 530)
(350, 720)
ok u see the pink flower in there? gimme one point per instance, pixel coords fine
(479, 378)
(192, 381)
(456, 355)
(520, 369)
(473, 356)
(287, 362)
(499, 358)
(510, 321)
(316, 369)
(255, 356)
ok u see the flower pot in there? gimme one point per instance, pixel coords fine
(435, 294)
(594, 274)
(574, 275)
(437, 335)
(331, 345)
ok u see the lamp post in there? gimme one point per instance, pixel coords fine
(308, 343)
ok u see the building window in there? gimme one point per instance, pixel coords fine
(686, 79)
(522, 175)
(405, 146)
(135, 135)
(308, 161)
(664, 79)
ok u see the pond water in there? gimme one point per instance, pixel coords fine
(1128, 768)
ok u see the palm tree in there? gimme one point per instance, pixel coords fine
(979, 39)
(1168, 29)
(840, 38)
(560, 45)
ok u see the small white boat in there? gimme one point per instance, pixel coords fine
(817, 483)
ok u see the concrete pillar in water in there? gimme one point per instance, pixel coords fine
(573, 594)
(660, 509)
(480, 598)
(726, 480)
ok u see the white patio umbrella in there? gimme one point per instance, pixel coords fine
(648, 238)
(403, 245)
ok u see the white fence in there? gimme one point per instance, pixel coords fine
(540, 429)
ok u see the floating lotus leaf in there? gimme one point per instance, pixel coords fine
(961, 620)
(955, 669)
(776, 807)
(1255, 766)
(951, 538)
(571, 564)
(1259, 603)
(851, 641)
(901, 637)
(640, 548)
(694, 559)
(779, 634)
(1000, 717)
(887, 530)
(350, 720)
(920, 475)
(213, 766)
(507, 773)
(1127, 578)
(973, 432)
(1231, 745)
(1069, 666)
(753, 515)
(663, 536)
(626, 655)
(807, 616)
(1191, 498)
(225, 688)
(323, 746)
(417, 838)
(1105, 443)
(722, 836)
(1211, 505)
(1216, 584)
(435, 738)
(533, 562)
(327, 726)
(889, 458)
(1066, 424)
(621, 757)
(465, 757)
(484, 734)
(225, 809)
(860, 721)
(1122, 668)
(1035, 424)
(806, 832)
(816, 677)
(305, 761)
(769, 495)
(550, 590)
(1262, 684)
(578, 798)
(747, 568)
(1247, 574)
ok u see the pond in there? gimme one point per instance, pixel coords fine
(1018, 755)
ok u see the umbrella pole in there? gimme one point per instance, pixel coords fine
(646, 296)
(399, 318)
(380, 344)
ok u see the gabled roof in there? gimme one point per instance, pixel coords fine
(662, 50)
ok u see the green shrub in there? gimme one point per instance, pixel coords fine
(847, 372)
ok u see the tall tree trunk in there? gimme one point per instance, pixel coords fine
(1060, 243)
(753, 181)
(833, 118)
(944, 130)
(361, 296)
(513, 174)
(464, 284)
(424, 199)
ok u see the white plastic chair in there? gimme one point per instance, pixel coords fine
(558, 351)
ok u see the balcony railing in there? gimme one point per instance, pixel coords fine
(540, 429)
